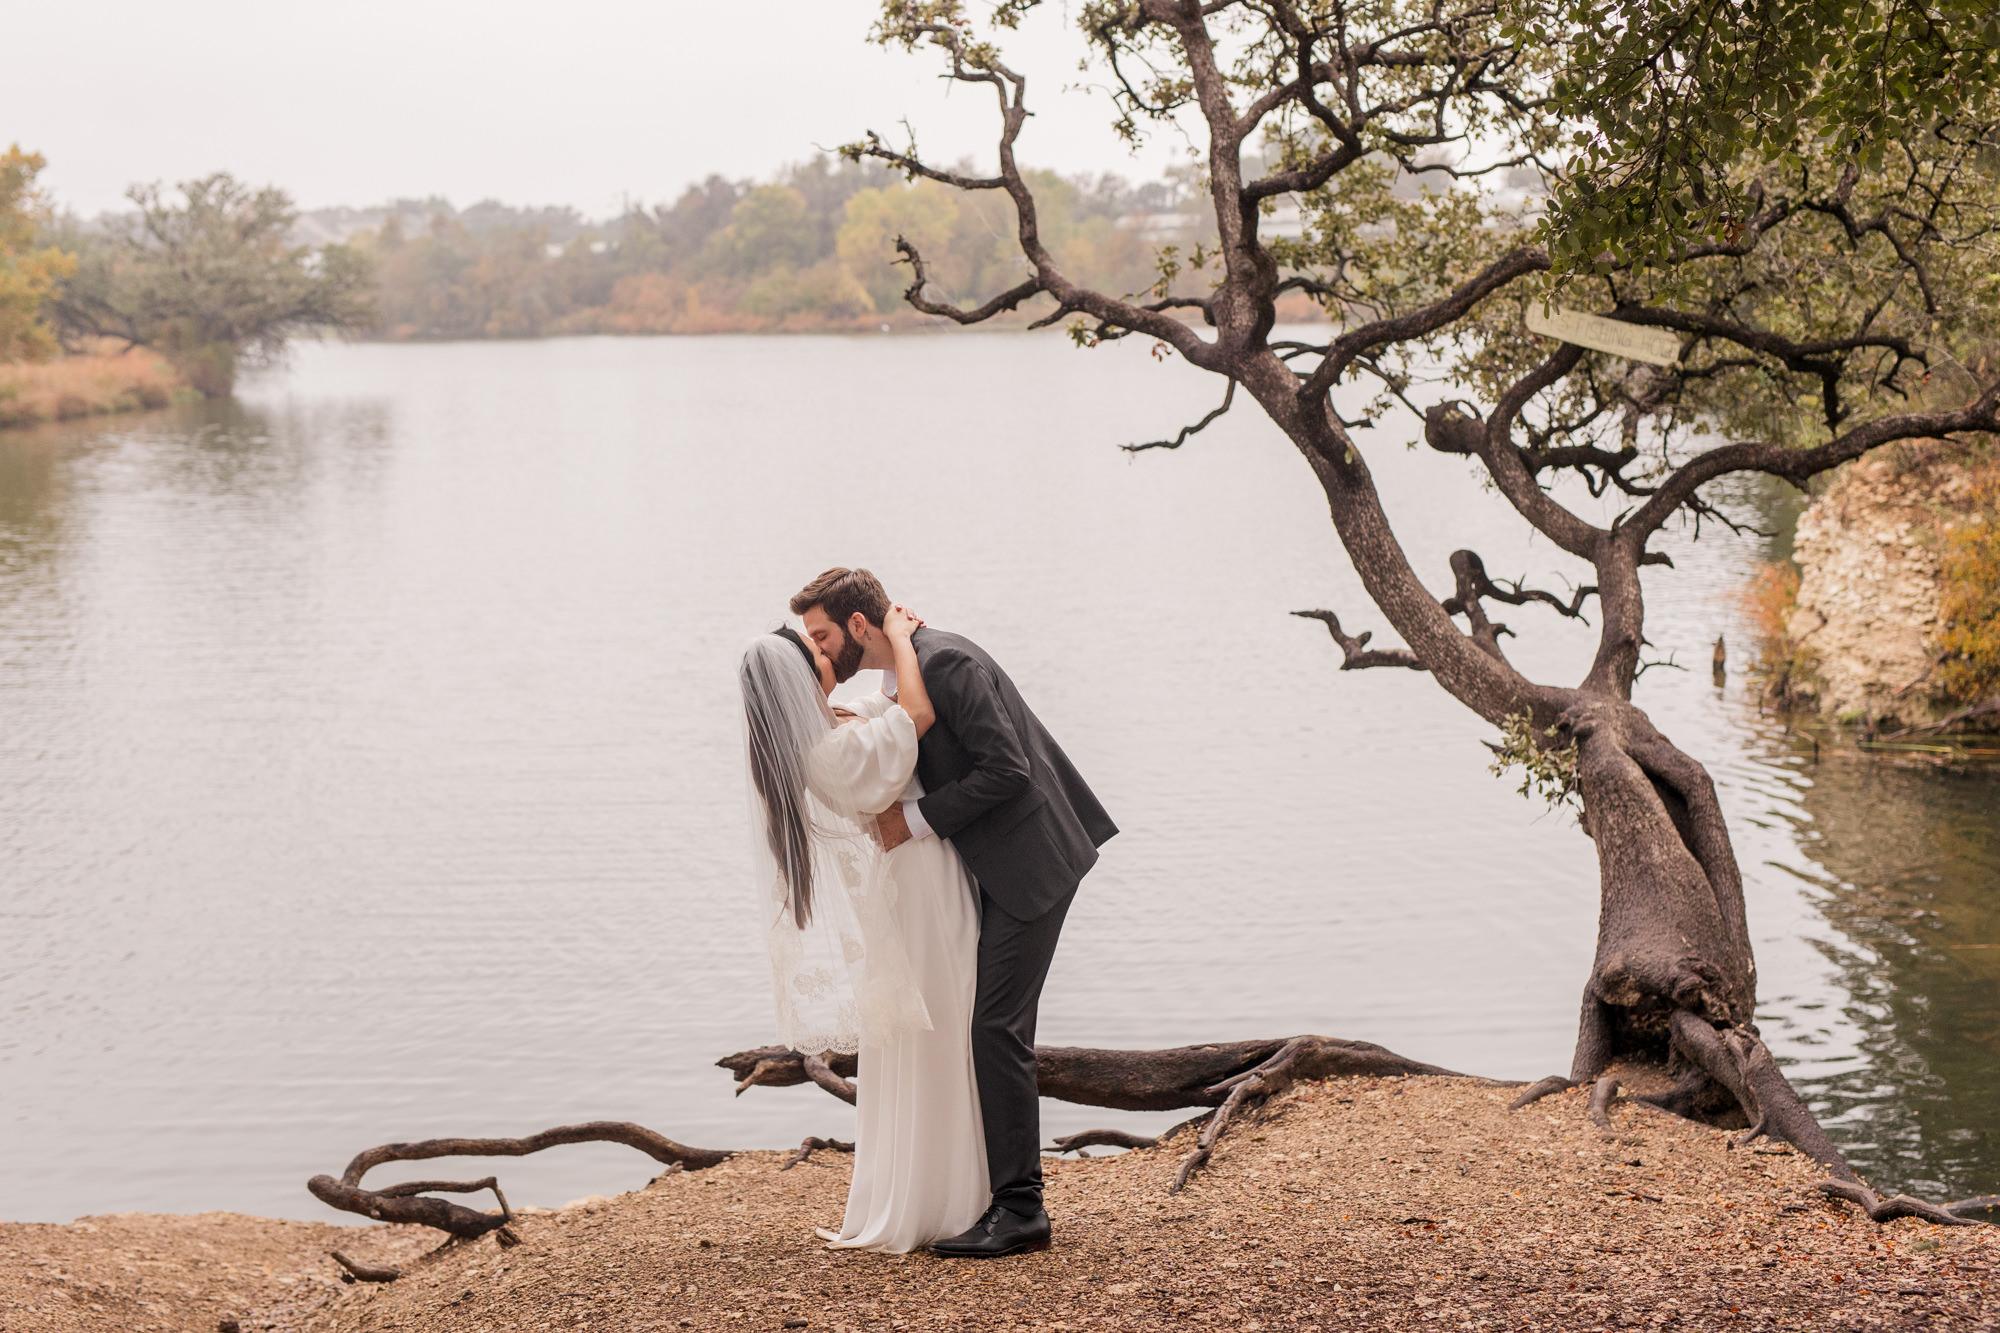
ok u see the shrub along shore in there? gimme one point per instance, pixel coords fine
(1355, 1203)
(96, 383)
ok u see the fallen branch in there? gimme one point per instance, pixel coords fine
(360, 1272)
(811, 1146)
(408, 1202)
(1962, 715)
(1978, 1203)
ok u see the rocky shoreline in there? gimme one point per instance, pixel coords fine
(1389, 1203)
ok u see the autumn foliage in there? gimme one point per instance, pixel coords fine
(1969, 613)
(814, 249)
(29, 271)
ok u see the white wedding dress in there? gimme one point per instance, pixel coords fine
(920, 1148)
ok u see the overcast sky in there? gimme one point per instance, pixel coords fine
(368, 100)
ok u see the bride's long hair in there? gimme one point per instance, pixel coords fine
(826, 899)
(785, 715)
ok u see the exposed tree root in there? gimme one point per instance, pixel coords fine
(1600, 1103)
(1893, 1207)
(1978, 1203)
(407, 1202)
(360, 1272)
(1540, 1088)
(779, 1067)
(811, 1146)
(1736, 1057)
(1165, 1080)
(1236, 1077)
(1101, 1138)
(1230, 1076)
(822, 1073)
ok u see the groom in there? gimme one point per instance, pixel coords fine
(997, 784)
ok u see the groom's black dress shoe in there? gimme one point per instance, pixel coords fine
(1001, 1231)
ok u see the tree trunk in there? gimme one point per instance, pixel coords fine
(1674, 981)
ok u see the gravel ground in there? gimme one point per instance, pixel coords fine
(1352, 1204)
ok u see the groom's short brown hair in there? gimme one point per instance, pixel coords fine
(842, 592)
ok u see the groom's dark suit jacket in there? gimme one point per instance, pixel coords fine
(997, 784)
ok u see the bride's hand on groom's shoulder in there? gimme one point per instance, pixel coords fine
(901, 622)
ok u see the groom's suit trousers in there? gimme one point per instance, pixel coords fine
(1014, 959)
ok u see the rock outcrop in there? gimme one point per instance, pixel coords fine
(1863, 632)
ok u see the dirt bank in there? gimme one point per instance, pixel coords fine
(1358, 1203)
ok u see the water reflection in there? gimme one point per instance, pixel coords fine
(1904, 863)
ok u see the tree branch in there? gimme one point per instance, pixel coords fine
(1228, 396)
(1356, 655)
(914, 294)
(1418, 323)
(1799, 465)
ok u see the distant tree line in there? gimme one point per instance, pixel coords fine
(812, 249)
(214, 274)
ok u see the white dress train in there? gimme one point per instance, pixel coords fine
(920, 1147)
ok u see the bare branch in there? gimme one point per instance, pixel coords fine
(912, 167)
(1356, 655)
(1011, 89)
(1228, 396)
(1005, 301)
(1473, 582)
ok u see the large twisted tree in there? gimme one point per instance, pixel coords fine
(1827, 294)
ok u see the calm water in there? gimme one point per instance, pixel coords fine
(368, 762)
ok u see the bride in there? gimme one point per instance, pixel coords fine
(871, 952)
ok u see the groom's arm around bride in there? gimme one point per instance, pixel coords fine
(1027, 827)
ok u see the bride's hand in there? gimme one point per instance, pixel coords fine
(900, 623)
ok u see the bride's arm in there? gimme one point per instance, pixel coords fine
(898, 625)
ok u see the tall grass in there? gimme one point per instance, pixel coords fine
(93, 383)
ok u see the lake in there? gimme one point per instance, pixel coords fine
(369, 761)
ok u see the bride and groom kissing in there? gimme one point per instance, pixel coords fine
(915, 853)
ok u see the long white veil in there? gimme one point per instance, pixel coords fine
(839, 971)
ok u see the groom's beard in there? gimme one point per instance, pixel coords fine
(848, 660)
